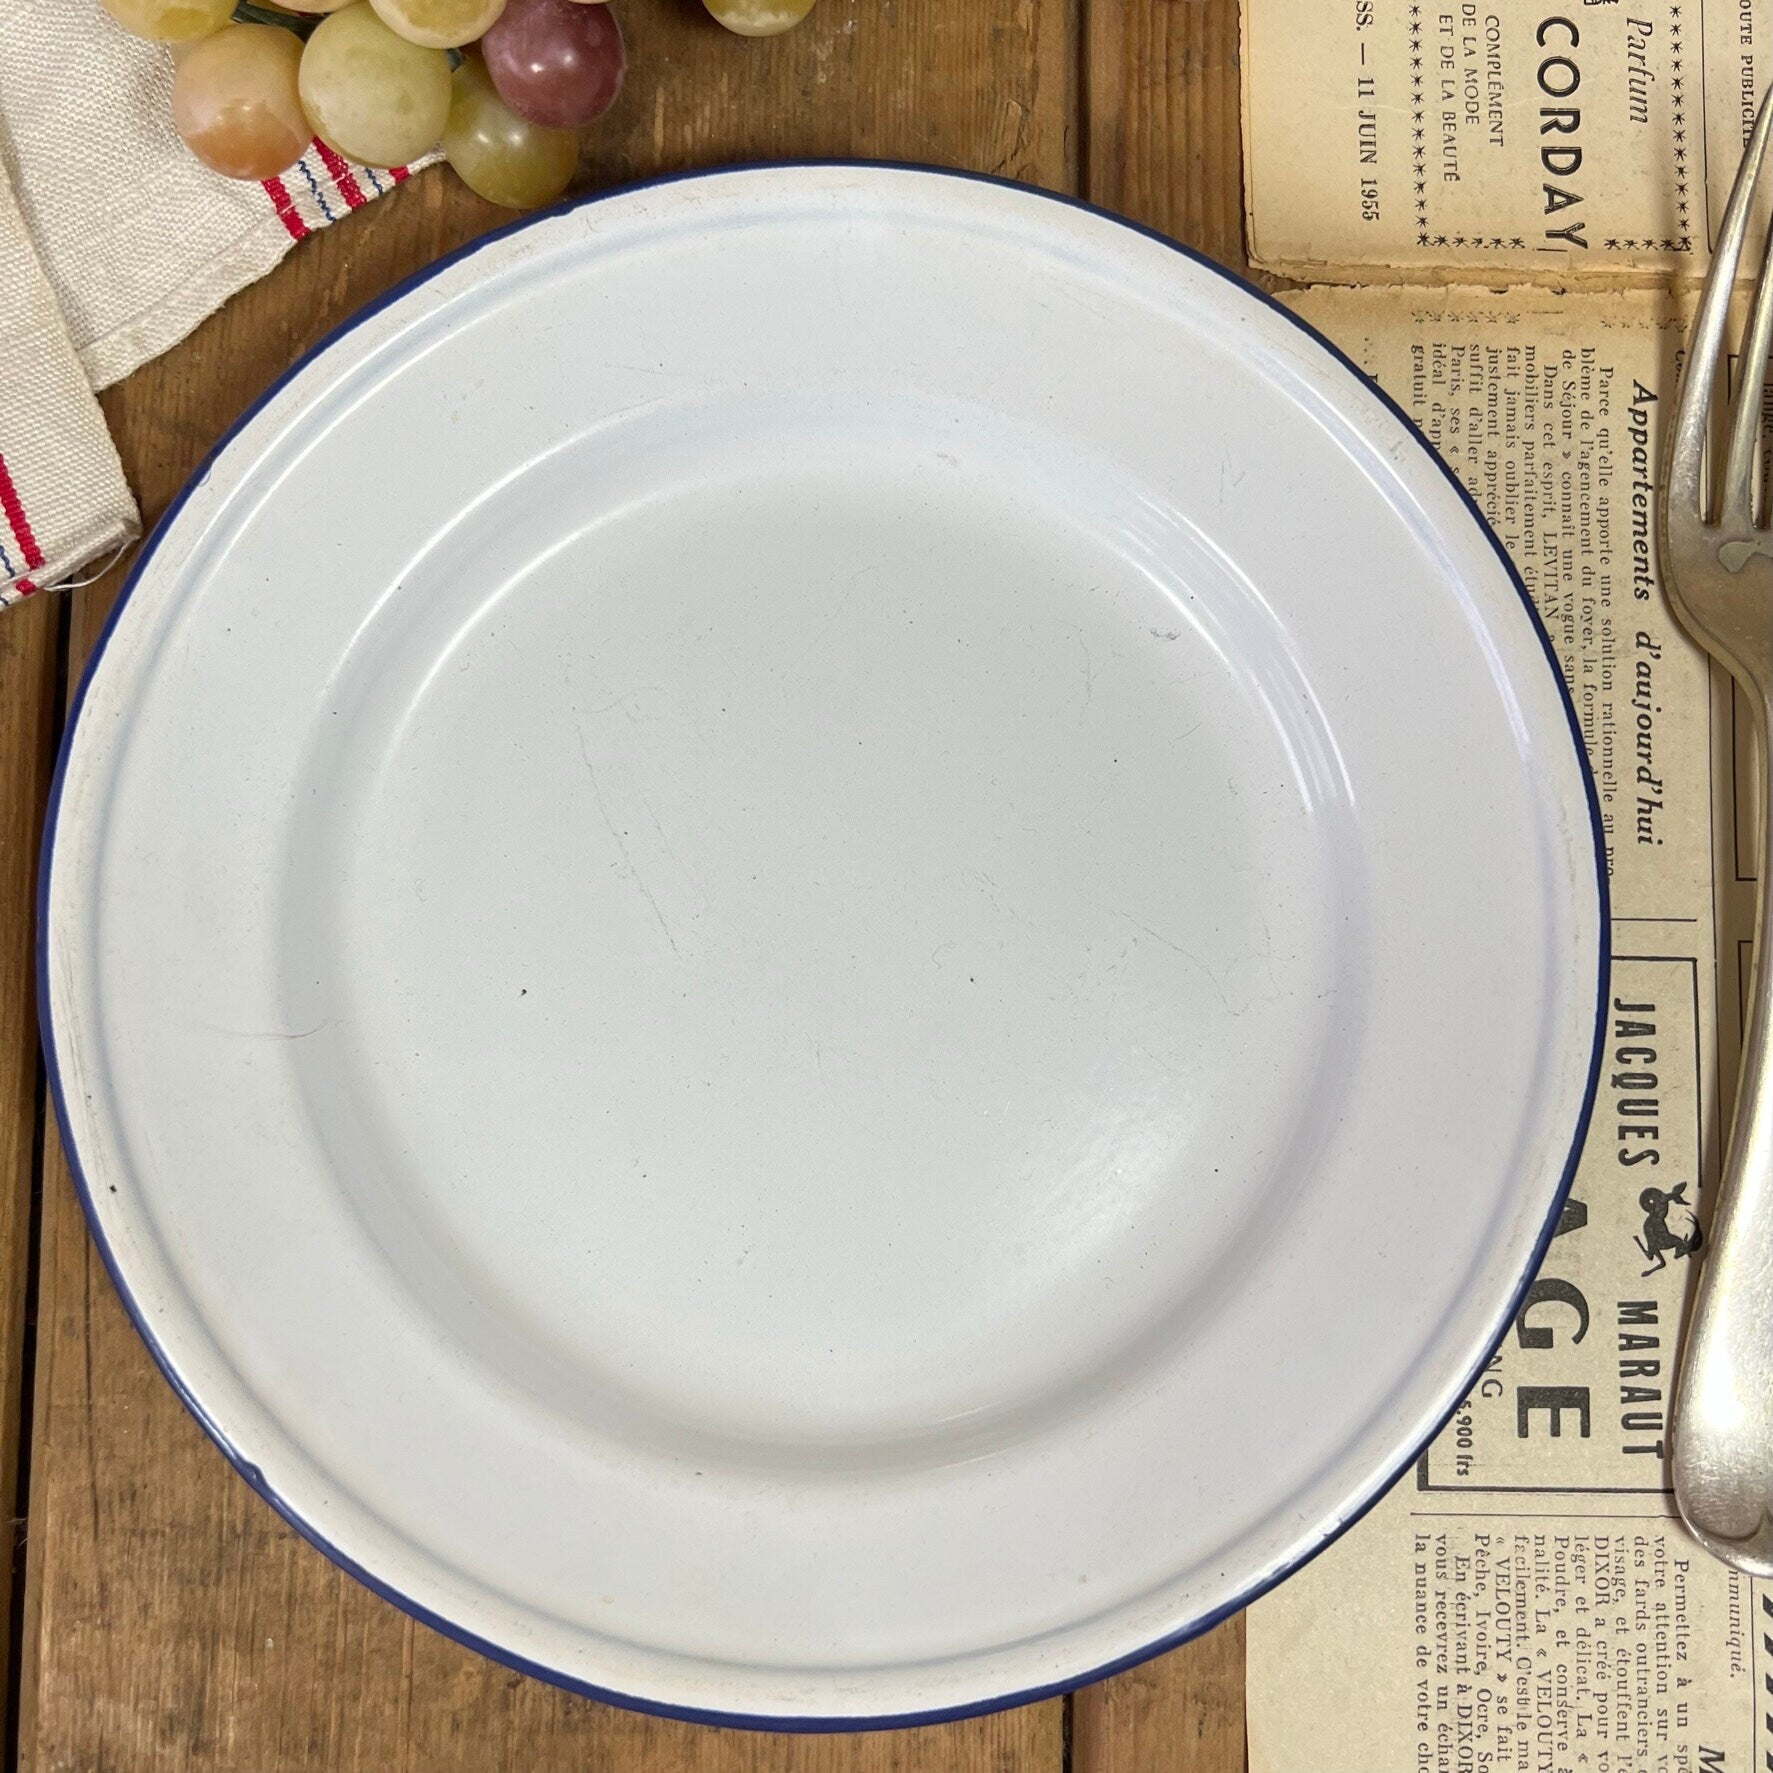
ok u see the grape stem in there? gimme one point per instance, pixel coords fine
(245, 13)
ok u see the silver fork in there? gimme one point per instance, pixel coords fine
(1717, 563)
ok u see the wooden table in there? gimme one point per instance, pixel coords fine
(162, 1617)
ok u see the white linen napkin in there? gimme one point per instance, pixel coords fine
(114, 243)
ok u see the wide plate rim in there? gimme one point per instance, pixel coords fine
(795, 1723)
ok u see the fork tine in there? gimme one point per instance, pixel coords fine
(1738, 508)
(1705, 343)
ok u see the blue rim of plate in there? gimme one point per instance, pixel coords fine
(255, 1479)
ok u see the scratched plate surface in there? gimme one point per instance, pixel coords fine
(809, 957)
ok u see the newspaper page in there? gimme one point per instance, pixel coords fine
(1526, 1598)
(1503, 139)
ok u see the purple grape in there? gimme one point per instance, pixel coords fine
(555, 62)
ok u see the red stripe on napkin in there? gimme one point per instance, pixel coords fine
(342, 176)
(278, 192)
(17, 521)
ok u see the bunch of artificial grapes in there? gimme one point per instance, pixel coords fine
(385, 81)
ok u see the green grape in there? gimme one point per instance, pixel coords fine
(369, 94)
(759, 18)
(234, 101)
(499, 155)
(438, 24)
(170, 21)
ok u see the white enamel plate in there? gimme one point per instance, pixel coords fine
(822, 945)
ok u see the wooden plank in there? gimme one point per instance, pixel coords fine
(29, 648)
(1183, 1713)
(990, 86)
(172, 1623)
(1164, 146)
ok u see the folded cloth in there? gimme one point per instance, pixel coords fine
(114, 243)
(55, 452)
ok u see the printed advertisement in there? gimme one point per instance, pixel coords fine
(1502, 139)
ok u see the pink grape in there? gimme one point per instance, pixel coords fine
(556, 62)
(234, 101)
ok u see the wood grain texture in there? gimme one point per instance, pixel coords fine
(1164, 143)
(29, 644)
(1164, 146)
(1183, 1713)
(172, 1623)
(989, 85)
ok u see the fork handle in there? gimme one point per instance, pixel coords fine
(1723, 1425)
